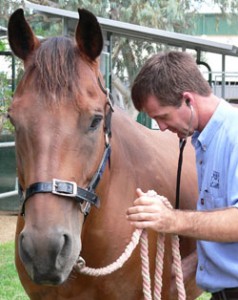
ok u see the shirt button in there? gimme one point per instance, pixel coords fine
(200, 162)
(202, 201)
(204, 147)
(201, 268)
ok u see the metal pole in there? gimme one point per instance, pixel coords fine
(223, 77)
(8, 194)
(7, 144)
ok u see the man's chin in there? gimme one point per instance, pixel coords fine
(183, 135)
(180, 135)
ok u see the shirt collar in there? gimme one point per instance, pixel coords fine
(204, 137)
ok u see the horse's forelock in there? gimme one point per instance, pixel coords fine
(55, 65)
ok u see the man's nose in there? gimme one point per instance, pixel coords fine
(162, 125)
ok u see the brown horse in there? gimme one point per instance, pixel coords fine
(64, 130)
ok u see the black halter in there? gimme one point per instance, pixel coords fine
(85, 197)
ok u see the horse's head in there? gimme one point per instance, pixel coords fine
(60, 112)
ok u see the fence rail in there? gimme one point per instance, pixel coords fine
(7, 144)
(8, 194)
(14, 192)
(224, 84)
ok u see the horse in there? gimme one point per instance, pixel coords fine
(79, 162)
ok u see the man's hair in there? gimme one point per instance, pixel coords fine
(167, 76)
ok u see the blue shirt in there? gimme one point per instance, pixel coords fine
(217, 168)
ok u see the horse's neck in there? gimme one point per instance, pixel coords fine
(144, 157)
(128, 135)
(133, 142)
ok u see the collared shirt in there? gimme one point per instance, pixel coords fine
(217, 168)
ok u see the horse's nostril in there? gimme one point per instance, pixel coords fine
(25, 247)
(65, 248)
(67, 244)
(47, 256)
(33, 247)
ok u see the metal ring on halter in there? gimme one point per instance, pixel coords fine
(109, 100)
(80, 263)
(107, 139)
(106, 92)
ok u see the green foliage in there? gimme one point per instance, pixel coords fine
(10, 286)
(5, 124)
(5, 101)
(6, 8)
(204, 296)
(128, 55)
(2, 45)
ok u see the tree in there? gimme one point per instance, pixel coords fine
(127, 58)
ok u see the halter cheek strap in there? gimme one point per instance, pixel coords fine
(69, 188)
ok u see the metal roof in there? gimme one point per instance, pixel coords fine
(145, 33)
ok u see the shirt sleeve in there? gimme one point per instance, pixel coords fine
(232, 177)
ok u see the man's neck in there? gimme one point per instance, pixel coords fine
(206, 107)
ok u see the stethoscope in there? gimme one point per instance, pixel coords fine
(182, 143)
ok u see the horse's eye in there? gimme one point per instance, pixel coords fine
(95, 122)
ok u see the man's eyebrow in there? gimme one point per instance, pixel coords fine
(162, 116)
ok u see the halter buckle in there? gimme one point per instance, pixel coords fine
(64, 188)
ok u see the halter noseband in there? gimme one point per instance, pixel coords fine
(85, 197)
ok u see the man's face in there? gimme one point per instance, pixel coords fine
(175, 119)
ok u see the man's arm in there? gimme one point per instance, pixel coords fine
(217, 225)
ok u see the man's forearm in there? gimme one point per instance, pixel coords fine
(219, 225)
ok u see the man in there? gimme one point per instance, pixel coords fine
(172, 91)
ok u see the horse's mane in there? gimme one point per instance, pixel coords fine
(54, 67)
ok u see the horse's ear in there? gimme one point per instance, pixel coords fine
(20, 36)
(89, 35)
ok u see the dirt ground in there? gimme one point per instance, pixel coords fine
(7, 228)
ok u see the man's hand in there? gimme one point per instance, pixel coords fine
(150, 211)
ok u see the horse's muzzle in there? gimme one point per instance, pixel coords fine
(48, 259)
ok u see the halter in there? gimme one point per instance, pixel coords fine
(85, 197)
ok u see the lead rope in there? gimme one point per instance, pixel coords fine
(141, 236)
